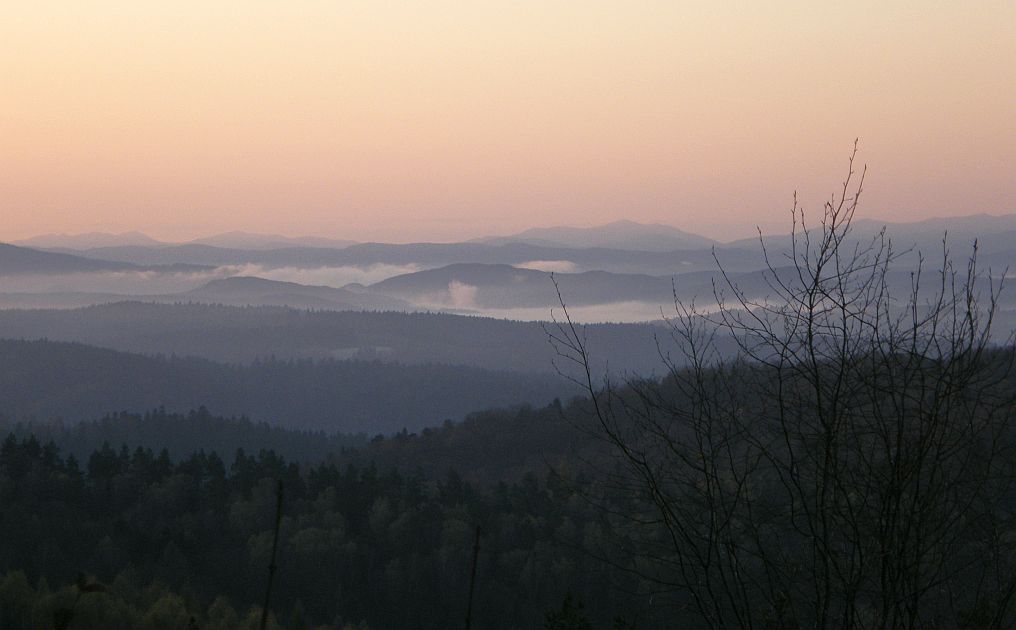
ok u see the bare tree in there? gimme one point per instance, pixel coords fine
(850, 465)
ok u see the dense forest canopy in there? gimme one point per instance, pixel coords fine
(174, 539)
(181, 434)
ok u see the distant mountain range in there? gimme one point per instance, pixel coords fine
(624, 235)
(248, 240)
(620, 235)
(465, 286)
(427, 255)
(90, 240)
(993, 233)
(22, 260)
(627, 235)
(233, 240)
(15, 260)
(497, 276)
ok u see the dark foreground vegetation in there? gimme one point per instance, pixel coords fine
(174, 539)
(852, 466)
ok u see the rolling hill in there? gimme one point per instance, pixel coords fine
(503, 286)
(243, 334)
(45, 380)
(250, 291)
(16, 260)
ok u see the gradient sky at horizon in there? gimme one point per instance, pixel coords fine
(443, 120)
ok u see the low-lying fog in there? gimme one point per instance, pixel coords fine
(327, 276)
(161, 283)
(613, 312)
(83, 289)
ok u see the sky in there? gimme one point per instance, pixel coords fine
(442, 120)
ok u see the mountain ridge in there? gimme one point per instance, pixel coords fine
(622, 234)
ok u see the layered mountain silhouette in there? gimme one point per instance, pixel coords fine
(615, 263)
(250, 291)
(627, 235)
(504, 286)
(231, 240)
(249, 240)
(15, 260)
(90, 240)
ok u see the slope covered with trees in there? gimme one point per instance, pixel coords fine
(161, 542)
(46, 380)
(243, 334)
(181, 434)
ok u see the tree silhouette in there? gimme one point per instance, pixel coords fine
(849, 465)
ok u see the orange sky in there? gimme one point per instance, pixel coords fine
(447, 119)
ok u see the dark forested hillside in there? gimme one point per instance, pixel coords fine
(181, 434)
(489, 446)
(43, 380)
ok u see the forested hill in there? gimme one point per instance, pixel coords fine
(44, 380)
(487, 447)
(490, 446)
(241, 334)
(185, 542)
(182, 434)
(376, 537)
